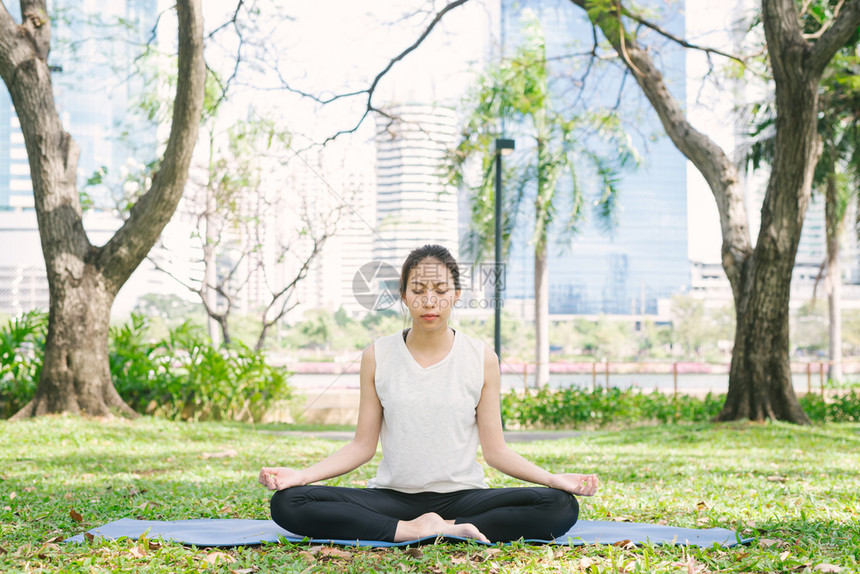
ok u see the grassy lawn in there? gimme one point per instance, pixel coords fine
(794, 488)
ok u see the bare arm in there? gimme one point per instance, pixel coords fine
(501, 457)
(352, 455)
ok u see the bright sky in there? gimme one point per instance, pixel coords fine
(338, 46)
(335, 46)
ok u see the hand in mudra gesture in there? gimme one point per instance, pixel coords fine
(579, 484)
(279, 478)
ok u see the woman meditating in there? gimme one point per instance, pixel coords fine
(429, 394)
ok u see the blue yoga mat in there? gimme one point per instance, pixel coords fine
(234, 532)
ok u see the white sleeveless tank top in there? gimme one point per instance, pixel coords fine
(429, 432)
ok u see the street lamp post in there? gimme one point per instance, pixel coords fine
(503, 147)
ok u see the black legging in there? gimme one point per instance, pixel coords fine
(501, 514)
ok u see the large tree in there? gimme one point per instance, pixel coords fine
(84, 279)
(760, 375)
(836, 175)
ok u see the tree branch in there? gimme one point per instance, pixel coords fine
(836, 36)
(680, 41)
(37, 24)
(10, 51)
(818, 33)
(711, 161)
(147, 218)
(371, 90)
(231, 22)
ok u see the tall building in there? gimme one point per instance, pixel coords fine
(413, 204)
(95, 82)
(642, 260)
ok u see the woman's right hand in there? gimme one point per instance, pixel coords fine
(279, 478)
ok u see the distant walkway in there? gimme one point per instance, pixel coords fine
(510, 436)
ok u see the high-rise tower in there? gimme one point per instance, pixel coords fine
(413, 205)
(627, 269)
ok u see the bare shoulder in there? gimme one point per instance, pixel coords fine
(368, 361)
(369, 354)
(491, 361)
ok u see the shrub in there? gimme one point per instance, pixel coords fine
(184, 376)
(573, 407)
(181, 376)
(844, 407)
(22, 346)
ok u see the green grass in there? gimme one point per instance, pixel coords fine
(795, 488)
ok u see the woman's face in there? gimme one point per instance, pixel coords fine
(430, 294)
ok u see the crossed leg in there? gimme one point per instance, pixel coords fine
(498, 514)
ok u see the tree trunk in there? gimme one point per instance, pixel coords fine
(833, 217)
(760, 376)
(834, 306)
(217, 328)
(541, 316)
(760, 373)
(75, 374)
(83, 280)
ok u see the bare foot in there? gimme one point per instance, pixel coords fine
(431, 524)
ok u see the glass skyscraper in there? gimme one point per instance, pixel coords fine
(95, 80)
(643, 259)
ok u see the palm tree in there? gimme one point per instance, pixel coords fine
(516, 91)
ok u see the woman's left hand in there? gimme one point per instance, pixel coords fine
(580, 484)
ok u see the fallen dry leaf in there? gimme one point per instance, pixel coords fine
(89, 537)
(776, 478)
(585, 563)
(784, 555)
(337, 552)
(329, 551)
(154, 545)
(413, 552)
(217, 556)
(702, 521)
(702, 505)
(824, 567)
(76, 516)
(13, 495)
(625, 544)
(223, 454)
(244, 571)
(137, 551)
(56, 539)
(2, 550)
(768, 542)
